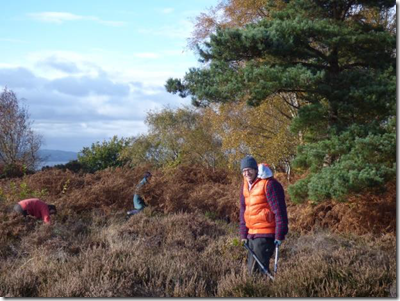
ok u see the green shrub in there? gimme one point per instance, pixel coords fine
(103, 155)
(352, 162)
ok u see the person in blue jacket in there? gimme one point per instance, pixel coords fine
(138, 202)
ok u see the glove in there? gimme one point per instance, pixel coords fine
(244, 241)
(278, 242)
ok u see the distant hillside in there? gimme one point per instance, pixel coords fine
(51, 155)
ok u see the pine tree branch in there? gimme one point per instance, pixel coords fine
(289, 102)
(316, 52)
(349, 66)
(317, 66)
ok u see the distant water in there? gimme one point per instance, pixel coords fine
(51, 163)
(53, 157)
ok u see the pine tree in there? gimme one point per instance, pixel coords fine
(339, 58)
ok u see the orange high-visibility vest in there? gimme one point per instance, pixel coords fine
(258, 216)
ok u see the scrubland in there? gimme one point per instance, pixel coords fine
(186, 243)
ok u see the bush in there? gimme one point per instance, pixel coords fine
(15, 170)
(104, 155)
(73, 166)
(355, 161)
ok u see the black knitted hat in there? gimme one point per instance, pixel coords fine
(248, 162)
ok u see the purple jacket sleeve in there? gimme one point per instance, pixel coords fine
(276, 200)
(243, 230)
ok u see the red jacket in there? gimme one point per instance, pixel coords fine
(36, 208)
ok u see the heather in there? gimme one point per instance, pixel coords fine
(186, 244)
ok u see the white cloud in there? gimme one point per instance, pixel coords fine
(167, 10)
(151, 68)
(59, 64)
(122, 128)
(20, 78)
(109, 23)
(62, 17)
(73, 111)
(85, 85)
(58, 54)
(54, 17)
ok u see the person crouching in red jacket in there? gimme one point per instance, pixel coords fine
(36, 208)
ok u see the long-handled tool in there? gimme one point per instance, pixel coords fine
(276, 258)
(264, 270)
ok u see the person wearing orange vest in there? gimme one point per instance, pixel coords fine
(36, 208)
(263, 214)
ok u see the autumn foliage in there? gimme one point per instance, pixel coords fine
(195, 189)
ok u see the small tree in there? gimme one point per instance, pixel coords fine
(102, 155)
(181, 136)
(263, 132)
(185, 136)
(19, 145)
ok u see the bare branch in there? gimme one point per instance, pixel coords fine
(18, 143)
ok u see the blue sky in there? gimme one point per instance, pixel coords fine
(88, 70)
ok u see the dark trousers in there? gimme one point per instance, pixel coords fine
(264, 249)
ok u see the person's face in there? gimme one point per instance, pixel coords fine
(249, 174)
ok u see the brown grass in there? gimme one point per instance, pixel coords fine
(182, 246)
(361, 214)
(187, 255)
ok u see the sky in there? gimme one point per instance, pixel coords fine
(89, 70)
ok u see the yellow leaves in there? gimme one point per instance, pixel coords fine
(219, 135)
(231, 14)
(261, 131)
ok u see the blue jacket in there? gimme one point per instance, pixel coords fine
(138, 201)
